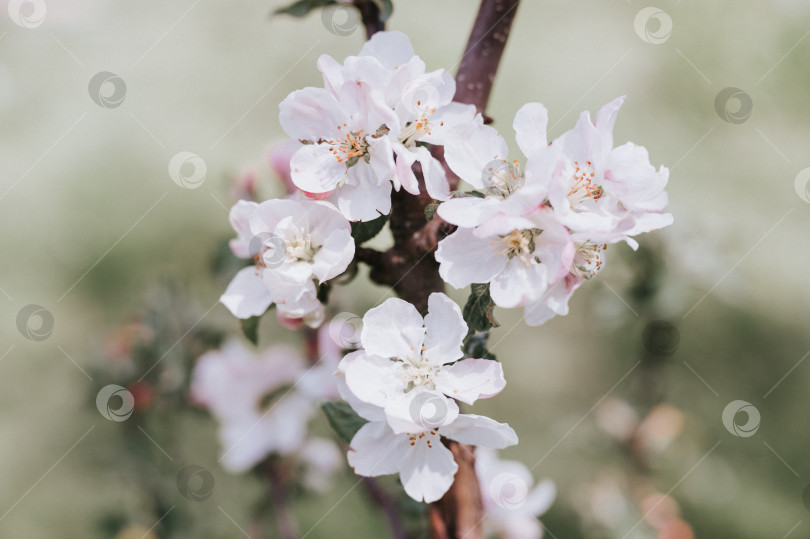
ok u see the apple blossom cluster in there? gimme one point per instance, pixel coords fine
(531, 232)
(264, 403)
(405, 381)
(536, 232)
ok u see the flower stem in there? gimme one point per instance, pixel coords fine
(278, 495)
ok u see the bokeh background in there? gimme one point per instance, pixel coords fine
(96, 232)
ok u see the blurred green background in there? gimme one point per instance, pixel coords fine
(91, 222)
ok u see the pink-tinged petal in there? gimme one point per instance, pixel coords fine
(368, 107)
(293, 299)
(541, 498)
(319, 219)
(375, 450)
(606, 118)
(427, 472)
(266, 217)
(381, 157)
(631, 178)
(239, 217)
(553, 303)
(312, 114)
(469, 150)
(584, 142)
(479, 430)
(448, 118)
(366, 69)
(334, 256)
(435, 178)
(403, 173)
(332, 73)
(247, 294)
(471, 379)
(424, 94)
(465, 259)
(372, 379)
(392, 329)
(315, 169)
(391, 48)
(293, 324)
(419, 410)
(445, 330)
(647, 222)
(363, 197)
(467, 212)
(519, 284)
(530, 126)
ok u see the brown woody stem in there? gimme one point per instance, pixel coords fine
(410, 267)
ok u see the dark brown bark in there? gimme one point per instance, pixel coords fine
(410, 268)
(476, 72)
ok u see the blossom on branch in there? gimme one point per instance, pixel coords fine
(294, 246)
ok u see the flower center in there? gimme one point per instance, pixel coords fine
(502, 178)
(350, 148)
(417, 371)
(428, 438)
(582, 186)
(301, 248)
(588, 259)
(520, 244)
(418, 128)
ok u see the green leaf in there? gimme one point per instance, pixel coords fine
(476, 346)
(478, 312)
(303, 7)
(362, 231)
(430, 210)
(250, 327)
(343, 419)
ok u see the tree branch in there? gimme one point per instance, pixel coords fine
(370, 15)
(478, 67)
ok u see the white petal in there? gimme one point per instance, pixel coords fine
(404, 175)
(375, 450)
(469, 150)
(239, 217)
(465, 259)
(471, 379)
(390, 48)
(448, 118)
(434, 175)
(247, 294)
(363, 197)
(334, 256)
(605, 119)
(541, 498)
(311, 114)
(467, 212)
(479, 430)
(554, 302)
(445, 330)
(392, 329)
(315, 169)
(372, 379)
(332, 73)
(427, 472)
(530, 128)
(519, 284)
(419, 410)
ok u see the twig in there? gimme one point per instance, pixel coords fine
(388, 505)
(278, 495)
